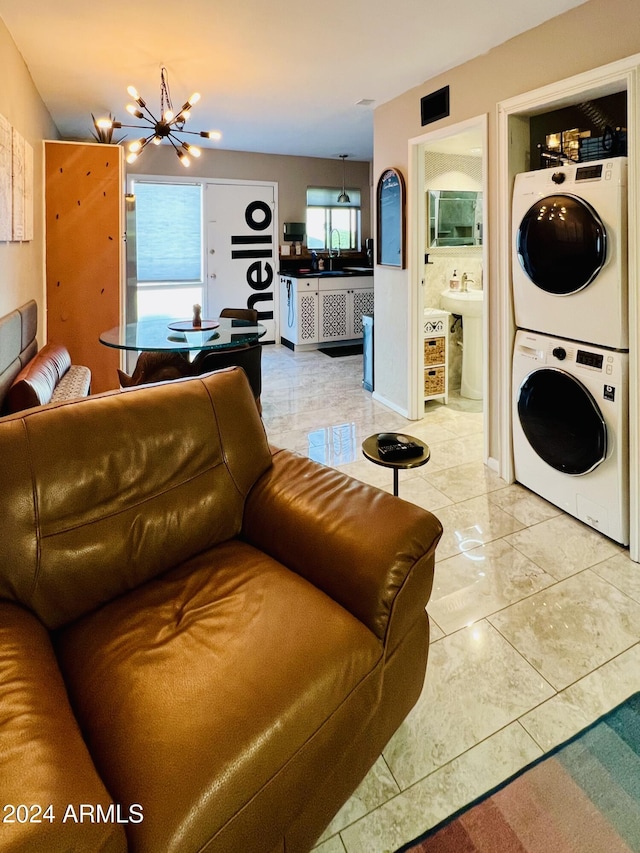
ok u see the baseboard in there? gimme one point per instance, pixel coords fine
(380, 399)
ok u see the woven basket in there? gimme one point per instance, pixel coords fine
(434, 350)
(434, 381)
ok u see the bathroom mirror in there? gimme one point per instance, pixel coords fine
(455, 218)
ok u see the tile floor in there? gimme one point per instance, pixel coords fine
(535, 617)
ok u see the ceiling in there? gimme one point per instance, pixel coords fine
(275, 77)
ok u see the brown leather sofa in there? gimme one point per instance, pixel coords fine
(30, 377)
(204, 643)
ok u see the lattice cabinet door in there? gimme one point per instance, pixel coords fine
(333, 315)
(307, 318)
(360, 302)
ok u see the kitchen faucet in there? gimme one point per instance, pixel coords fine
(337, 254)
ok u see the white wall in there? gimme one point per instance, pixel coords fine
(292, 174)
(591, 35)
(22, 264)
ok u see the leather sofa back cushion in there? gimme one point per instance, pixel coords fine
(104, 493)
(36, 382)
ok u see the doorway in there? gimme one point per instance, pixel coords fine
(448, 241)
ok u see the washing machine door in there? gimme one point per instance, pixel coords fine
(561, 244)
(561, 421)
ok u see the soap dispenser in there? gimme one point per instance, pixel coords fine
(454, 282)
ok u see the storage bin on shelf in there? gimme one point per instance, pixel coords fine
(436, 342)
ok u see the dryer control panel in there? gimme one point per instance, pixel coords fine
(590, 359)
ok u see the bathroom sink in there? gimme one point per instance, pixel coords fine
(467, 304)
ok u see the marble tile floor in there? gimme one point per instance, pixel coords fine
(535, 617)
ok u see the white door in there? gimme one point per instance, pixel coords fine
(242, 250)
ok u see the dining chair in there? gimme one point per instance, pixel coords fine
(248, 357)
(249, 314)
(156, 367)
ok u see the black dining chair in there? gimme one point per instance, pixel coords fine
(248, 357)
(249, 314)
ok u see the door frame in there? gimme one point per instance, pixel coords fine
(416, 250)
(512, 148)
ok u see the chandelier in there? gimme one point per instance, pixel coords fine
(169, 126)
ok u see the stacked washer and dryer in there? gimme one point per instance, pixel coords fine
(571, 357)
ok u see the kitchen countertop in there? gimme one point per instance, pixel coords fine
(346, 272)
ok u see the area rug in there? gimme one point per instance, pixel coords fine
(583, 797)
(339, 351)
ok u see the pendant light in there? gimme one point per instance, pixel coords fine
(343, 198)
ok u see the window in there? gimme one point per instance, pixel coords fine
(325, 215)
(168, 231)
(168, 246)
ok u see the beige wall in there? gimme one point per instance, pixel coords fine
(292, 174)
(591, 35)
(22, 264)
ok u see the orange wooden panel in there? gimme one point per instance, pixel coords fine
(84, 198)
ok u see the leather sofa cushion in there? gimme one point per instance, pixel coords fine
(104, 493)
(214, 684)
(43, 759)
(36, 382)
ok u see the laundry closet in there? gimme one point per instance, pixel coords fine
(569, 289)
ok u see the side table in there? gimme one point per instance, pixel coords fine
(370, 450)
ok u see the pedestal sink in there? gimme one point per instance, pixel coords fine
(469, 306)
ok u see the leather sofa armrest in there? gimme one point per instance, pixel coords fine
(37, 381)
(358, 544)
(45, 767)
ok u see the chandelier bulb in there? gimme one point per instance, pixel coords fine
(191, 149)
(211, 134)
(183, 158)
(137, 144)
(133, 110)
(193, 99)
(104, 123)
(132, 156)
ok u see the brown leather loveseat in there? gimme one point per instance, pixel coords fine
(204, 643)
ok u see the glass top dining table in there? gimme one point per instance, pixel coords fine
(156, 335)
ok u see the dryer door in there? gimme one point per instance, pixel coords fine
(561, 244)
(561, 421)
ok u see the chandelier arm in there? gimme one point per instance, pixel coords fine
(151, 115)
(118, 124)
(179, 142)
(177, 150)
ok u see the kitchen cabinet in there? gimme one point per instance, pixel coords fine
(341, 307)
(299, 312)
(315, 311)
(436, 344)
